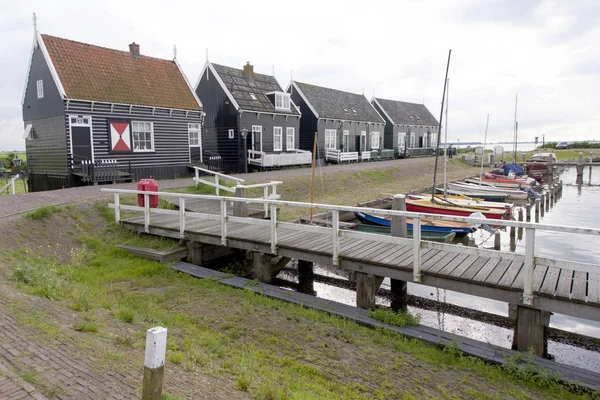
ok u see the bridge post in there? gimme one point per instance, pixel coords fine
(537, 210)
(366, 289)
(531, 329)
(580, 165)
(547, 198)
(261, 267)
(528, 212)
(306, 277)
(497, 243)
(399, 229)
(551, 195)
(240, 209)
(542, 203)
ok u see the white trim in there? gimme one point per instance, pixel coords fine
(221, 83)
(188, 83)
(33, 43)
(329, 131)
(372, 135)
(351, 120)
(383, 110)
(153, 149)
(132, 105)
(269, 113)
(57, 82)
(27, 132)
(69, 116)
(283, 96)
(199, 130)
(346, 133)
(287, 132)
(259, 129)
(316, 114)
(280, 134)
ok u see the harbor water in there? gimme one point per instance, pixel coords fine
(577, 207)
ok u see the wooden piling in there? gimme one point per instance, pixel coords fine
(306, 277)
(537, 209)
(497, 238)
(240, 208)
(530, 330)
(541, 204)
(366, 289)
(520, 214)
(399, 288)
(154, 363)
(528, 212)
(580, 165)
(547, 199)
(551, 195)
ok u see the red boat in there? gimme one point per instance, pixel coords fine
(426, 206)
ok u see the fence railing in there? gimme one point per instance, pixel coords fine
(283, 159)
(339, 156)
(10, 184)
(104, 170)
(529, 259)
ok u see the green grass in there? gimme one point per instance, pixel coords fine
(394, 318)
(43, 212)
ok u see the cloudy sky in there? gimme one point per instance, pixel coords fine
(545, 51)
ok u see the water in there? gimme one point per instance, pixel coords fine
(508, 146)
(576, 207)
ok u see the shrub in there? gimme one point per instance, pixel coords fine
(43, 212)
(395, 318)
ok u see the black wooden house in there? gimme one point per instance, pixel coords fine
(249, 120)
(93, 114)
(348, 127)
(410, 129)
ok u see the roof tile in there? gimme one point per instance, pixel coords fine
(405, 113)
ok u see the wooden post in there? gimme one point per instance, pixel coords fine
(366, 289)
(520, 214)
(497, 244)
(240, 208)
(537, 210)
(528, 212)
(530, 330)
(261, 267)
(154, 363)
(523, 157)
(580, 165)
(551, 196)
(547, 198)
(542, 202)
(399, 229)
(306, 277)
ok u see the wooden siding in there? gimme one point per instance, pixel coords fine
(354, 130)
(171, 141)
(390, 140)
(308, 122)
(51, 104)
(268, 121)
(47, 151)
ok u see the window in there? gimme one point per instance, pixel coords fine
(231, 133)
(253, 96)
(194, 133)
(412, 141)
(345, 140)
(277, 138)
(282, 101)
(40, 89)
(330, 138)
(401, 139)
(290, 138)
(363, 140)
(257, 138)
(80, 120)
(143, 136)
(374, 140)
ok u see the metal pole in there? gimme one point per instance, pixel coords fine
(516, 127)
(312, 179)
(439, 132)
(483, 152)
(446, 139)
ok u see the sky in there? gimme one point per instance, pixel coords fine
(546, 52)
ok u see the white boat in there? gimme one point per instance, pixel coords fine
(465, 202)
(471, 190)
(504, 184)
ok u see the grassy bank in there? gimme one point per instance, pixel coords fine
(99, 301)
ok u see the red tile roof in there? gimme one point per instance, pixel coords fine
(96, 73)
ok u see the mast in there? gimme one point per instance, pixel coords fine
(446, 139)
(483, 152)
(515, 127)
(439, 132)
(312, 179)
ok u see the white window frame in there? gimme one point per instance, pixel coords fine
(401, 139)
(346, 139)
(282, 101)
(330, 138)
(257, 129)
(80, 121)
(231, 133)
(40, 89)
(433, 139)
(375, 140)
(363, 140)
(277, 138)
(194, 128)
(133, 139)
(290, 133)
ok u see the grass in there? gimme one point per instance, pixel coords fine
(43, 212)
(394, 318)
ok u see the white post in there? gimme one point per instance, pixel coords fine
(417, 249)
(117, 208)
(154, 363)
(266, 197)
(217, 183)
(273, 228)
(197, 176)
(146, 213)
(335, 227)
(181, 216)
(528, 266)
(12, 185)
(223, 222)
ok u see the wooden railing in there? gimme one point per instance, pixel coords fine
(11, 184)
(339, 156)
(283, 159)
(104, 170)
(529, 259)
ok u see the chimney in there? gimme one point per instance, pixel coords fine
(249, 72)
(134, 49)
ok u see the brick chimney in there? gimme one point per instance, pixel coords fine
(134, 49)
(249, 72)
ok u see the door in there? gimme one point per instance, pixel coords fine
(81, 140)
(256, 140)
(363, 140)
(345, 141)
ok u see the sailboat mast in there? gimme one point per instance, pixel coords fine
(516, 126)
(439, 132)
(483, 152)
(446, 139)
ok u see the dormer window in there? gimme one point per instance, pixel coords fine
(282, 101)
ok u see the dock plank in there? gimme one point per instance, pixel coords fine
(448, 268)
(474, 268)
(511, 274)
(400, 252)
(579, 286)
(539, 271)
(593, 293)
(433, 261)
(550, 281)
(433, 266)
(563, 289)
(486, 270)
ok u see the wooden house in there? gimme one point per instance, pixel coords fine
(410, 129)
(250, 120)
(93, 114)
(348, 127)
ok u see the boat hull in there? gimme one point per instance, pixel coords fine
(481, 195)
(374, 220)
(434, 209)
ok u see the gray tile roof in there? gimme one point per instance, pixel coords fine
(331, 103)
(240, 89)
(405, 113)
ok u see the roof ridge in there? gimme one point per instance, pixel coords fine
(328, 88)
(103, 47)
(400, 101)
(241, 70)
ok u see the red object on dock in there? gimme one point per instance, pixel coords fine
(148, 185)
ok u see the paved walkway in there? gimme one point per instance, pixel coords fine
(12, 205)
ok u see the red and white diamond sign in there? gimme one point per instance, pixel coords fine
(120, 137)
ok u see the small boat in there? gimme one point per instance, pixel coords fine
(431, 236)
(464, 201)
(426, 206)
(427, 225)
(498, 183)
(478, 195)
(515, 194)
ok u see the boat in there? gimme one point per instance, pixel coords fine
(426, 206)
(431, 236)
(427, 225)
(514, 194)
(478, 195)
(464, 201)
(500, 183)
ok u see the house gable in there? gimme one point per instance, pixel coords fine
(404, 113)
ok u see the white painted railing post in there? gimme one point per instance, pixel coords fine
(273, 228)
(335, 227)
(117, 208)
(217, 183)
(146, 213)
(528, 266)
(154, 363)
(12, 185)
(196, 176)
(181, 216)
(223, 222)
(417, 249)
(266, 197)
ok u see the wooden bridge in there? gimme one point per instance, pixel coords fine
(537, 285)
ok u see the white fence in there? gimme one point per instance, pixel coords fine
(10, 184)
(270, 160)
(529, 258)
(339, 156)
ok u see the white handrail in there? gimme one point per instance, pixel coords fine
(11, 184)
(217, 184)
